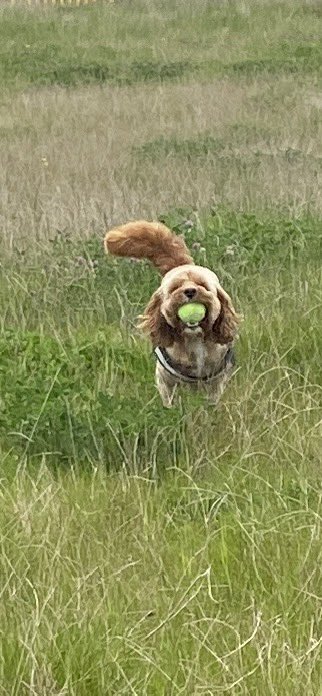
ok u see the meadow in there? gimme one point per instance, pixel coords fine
(146, 551)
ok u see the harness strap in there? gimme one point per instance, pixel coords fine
(174, 369)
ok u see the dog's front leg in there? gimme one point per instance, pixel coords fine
(165, 388)
(217, 389)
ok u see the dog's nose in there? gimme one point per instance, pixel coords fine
(190, 293)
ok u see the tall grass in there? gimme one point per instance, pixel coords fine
(206, 583)
(146, 551)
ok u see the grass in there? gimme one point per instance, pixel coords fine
(122, 585)
(104, 43)
(146, 551)
(153, 552)
(76, 382)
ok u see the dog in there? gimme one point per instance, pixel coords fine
(201, 355)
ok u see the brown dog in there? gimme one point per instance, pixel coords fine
(200, 355)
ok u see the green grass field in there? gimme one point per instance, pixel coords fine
(143, 551)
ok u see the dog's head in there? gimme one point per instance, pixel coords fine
(189, 283)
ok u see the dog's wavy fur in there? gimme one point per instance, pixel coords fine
(169, 254)
(148, 240)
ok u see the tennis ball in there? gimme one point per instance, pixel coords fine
(192, 313)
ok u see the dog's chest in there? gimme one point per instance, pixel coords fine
(197, 356)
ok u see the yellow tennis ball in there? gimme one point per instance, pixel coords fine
(192, 313)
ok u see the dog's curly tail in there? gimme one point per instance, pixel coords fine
(148, 240)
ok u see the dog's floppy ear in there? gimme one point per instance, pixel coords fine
(154, 323)
(226, 325)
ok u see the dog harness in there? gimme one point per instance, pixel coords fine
(175, 369)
